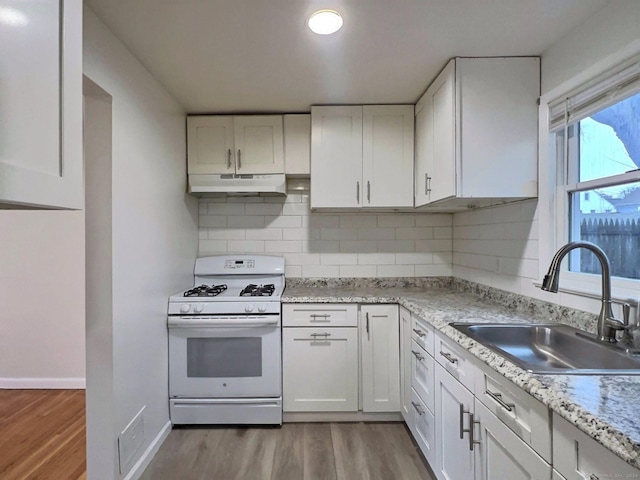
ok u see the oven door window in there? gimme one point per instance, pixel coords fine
(232, 357)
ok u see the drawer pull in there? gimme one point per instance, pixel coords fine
(417, 355)
(418, 409)
(314, 335)
(448, 357)
(498, 398)
(320, 317)
(420, 333)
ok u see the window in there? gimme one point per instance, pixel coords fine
(597, 148)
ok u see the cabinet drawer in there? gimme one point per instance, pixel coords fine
(319, 315)
(577, 456)
(520, 412)
(422, 333)
(423, 375)
(423, 427)
(455, 360)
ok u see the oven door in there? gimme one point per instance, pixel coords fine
(225, 356)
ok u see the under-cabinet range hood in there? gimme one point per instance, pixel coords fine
(272, 184)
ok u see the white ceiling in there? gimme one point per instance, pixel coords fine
(220, 56)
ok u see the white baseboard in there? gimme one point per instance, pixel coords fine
(43, 383)
(145, 459)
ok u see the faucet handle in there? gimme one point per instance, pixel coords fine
(626, 310)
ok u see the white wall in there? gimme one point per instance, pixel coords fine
(42, 299)
(154, 235)
(327, 244)
(500, 246)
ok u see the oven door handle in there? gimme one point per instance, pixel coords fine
(203, 322)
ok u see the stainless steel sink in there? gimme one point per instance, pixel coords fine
(555, 348)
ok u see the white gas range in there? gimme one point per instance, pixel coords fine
(225, 342)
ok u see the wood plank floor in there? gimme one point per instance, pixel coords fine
(296, 451)
(42, 434)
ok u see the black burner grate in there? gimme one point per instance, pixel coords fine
(253, 290)
(205, 291)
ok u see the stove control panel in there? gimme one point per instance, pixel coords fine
(239, 264)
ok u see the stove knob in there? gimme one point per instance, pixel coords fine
(198, 308)
(185, 308)
(248, 308)
(262, 308)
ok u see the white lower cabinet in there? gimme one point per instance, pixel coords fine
(576, 456)
(329, 357)
(405, 364)
(454, 410)
(423, 427)
(423, 375)
(320, 369)
(500, 454)
(380, 345)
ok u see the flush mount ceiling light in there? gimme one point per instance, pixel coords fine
(325, 22)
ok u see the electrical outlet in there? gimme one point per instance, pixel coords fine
(130, 441)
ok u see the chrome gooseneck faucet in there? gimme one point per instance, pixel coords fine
(607, 323)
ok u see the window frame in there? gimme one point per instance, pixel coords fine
(554, 186)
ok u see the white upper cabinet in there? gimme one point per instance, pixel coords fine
(41, 107)
(297, 144)
(476, 133)
(251, 144)
(387, 155)
(362, 156)
(336, 157)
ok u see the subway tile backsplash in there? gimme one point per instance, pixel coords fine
(327, 244)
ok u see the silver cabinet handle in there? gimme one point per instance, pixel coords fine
(417, 355)
(497, 397)
(593, 476)
(367, 317)
(427, 184)
(358, 192)
(462, 429)
(314, 335)
(368, 191)
(472, 422)
(239, 159)
(418, 409)
(448, 357)
(469, 430)
(229, 158)
(420, 333)
(320, 317)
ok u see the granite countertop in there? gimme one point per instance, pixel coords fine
(604, 407)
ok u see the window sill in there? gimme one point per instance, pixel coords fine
(619, 293)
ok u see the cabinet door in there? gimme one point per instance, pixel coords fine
(210, 147)
(501, 454)
(405, 363)
(577, 456)
(423, 149)
(297, 144)
(336, 157)
(259, 144)
(380, 336)
(442, 181)
(387, 155)
(454, 406)
(320, 369)
(41, 161)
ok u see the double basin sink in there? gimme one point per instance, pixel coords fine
(552, 349)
